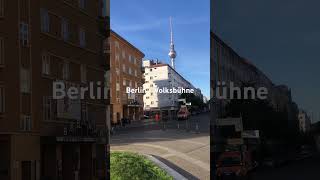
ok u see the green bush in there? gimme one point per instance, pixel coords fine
(132, 166)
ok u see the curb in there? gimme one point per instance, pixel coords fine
(166, 168)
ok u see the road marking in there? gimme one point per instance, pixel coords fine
(196, 149)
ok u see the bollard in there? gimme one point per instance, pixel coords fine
(187, 125)
(197, 128)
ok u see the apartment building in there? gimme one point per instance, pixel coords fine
(227, 66)
(42, 42)
(304, 121)
(125, 71)
(158, 76)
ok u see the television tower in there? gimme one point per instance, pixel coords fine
(172, 53)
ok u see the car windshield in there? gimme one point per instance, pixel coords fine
(230, 161)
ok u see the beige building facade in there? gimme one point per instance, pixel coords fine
(42, 42)
(125, 71)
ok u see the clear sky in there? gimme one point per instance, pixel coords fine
(281, 37)
(145, 24)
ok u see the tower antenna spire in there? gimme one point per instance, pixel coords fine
(171, 31)
(172, 53)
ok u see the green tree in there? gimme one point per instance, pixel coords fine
(196, 102)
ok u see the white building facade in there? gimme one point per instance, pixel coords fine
(304, 121)
(159, 76)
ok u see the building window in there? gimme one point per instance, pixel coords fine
(65, 71)
(2, 100)
(26, 123)
(24, 33)
(82, 37)
(117, 57)
(130, 70)
(147, 97)
(65, 29)
(103, 8)
(123, 68)
(45, 64)
(25, 80)
(152, 102)
(123, 54)
(136, 85)
(116, 43)
(134, 60)
(136, 73)
(47, 109)
(124, 82)
(117, 71)
(117, 87)
(83, 73)
(1, 8)
(1, 50)
(151, 77)
(130, 58)
(82, 4)
(45, 20)
(110, 78)
(130, 84)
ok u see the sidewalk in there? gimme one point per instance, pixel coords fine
(194, 124)
(186, 153)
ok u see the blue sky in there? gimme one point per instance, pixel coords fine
(282, 38)
(145, 24)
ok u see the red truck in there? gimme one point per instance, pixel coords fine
(183, 113)
(234, 165)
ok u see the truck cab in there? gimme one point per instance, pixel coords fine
(183, 113)
(234, 165)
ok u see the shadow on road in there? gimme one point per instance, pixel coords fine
(176, 168)
(155, 136)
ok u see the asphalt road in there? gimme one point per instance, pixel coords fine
(185, 150)
(308, 169)
(198, 123)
